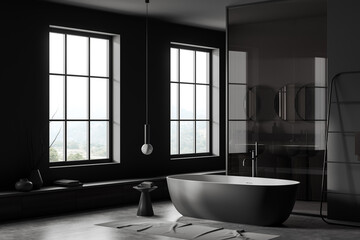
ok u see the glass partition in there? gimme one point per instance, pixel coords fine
(276, 91)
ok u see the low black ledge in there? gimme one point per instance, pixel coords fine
(53, 200)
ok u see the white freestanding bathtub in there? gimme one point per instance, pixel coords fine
(247, 200)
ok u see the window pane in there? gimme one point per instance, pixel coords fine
(174, 65)
(187, 137)
(237, 137)
(99, 98)
(56, 52)
(174, 137)
(187, 101)
(99, 140)
(237, 102)
(56, 141)
(174, 101)
(77, 140)
(202, 67)
(320, 103)
(56, 97)
(77, 97)
(77, 55)
(202, 137)
(202, 102)
(237, 67)
(186, 65)
(99, 57)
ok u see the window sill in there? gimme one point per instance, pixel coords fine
(194, 157)
(83, 165)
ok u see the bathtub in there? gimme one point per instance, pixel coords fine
(246, 200)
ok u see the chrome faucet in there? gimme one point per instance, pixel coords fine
(254, 155)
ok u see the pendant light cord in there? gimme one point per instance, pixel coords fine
(147, 148)
(146, 64)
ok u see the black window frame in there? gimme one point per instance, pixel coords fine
(89, 35)
(209, 120)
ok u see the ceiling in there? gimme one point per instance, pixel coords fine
(209, 14)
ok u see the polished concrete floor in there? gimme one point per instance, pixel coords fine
(311, 208)
(84, 226)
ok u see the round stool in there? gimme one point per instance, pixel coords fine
(145, 205)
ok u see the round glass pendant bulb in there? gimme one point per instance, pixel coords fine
(147, 149)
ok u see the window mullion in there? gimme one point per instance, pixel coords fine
(89, 99)
(111, 102)
(210, 102)
(178, 113)
(65, 100)
(195, 110)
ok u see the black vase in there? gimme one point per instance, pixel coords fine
(36, 179)
(23, 185)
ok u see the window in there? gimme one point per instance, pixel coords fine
(190, 101)
(80, 93)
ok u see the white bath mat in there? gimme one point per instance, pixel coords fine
(188, 231)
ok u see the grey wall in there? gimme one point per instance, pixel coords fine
(343, 163)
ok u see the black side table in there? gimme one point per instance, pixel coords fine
(145, 205)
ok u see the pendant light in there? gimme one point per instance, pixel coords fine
(146, 148)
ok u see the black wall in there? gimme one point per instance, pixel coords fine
(343, 166)
(24, 87)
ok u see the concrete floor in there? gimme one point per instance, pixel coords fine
(83, 226)
(310, 208)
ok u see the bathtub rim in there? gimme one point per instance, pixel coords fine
(285, 182)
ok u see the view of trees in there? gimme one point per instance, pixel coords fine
(77, 145)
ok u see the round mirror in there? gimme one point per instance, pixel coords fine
(310, 103)
(259, 104)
